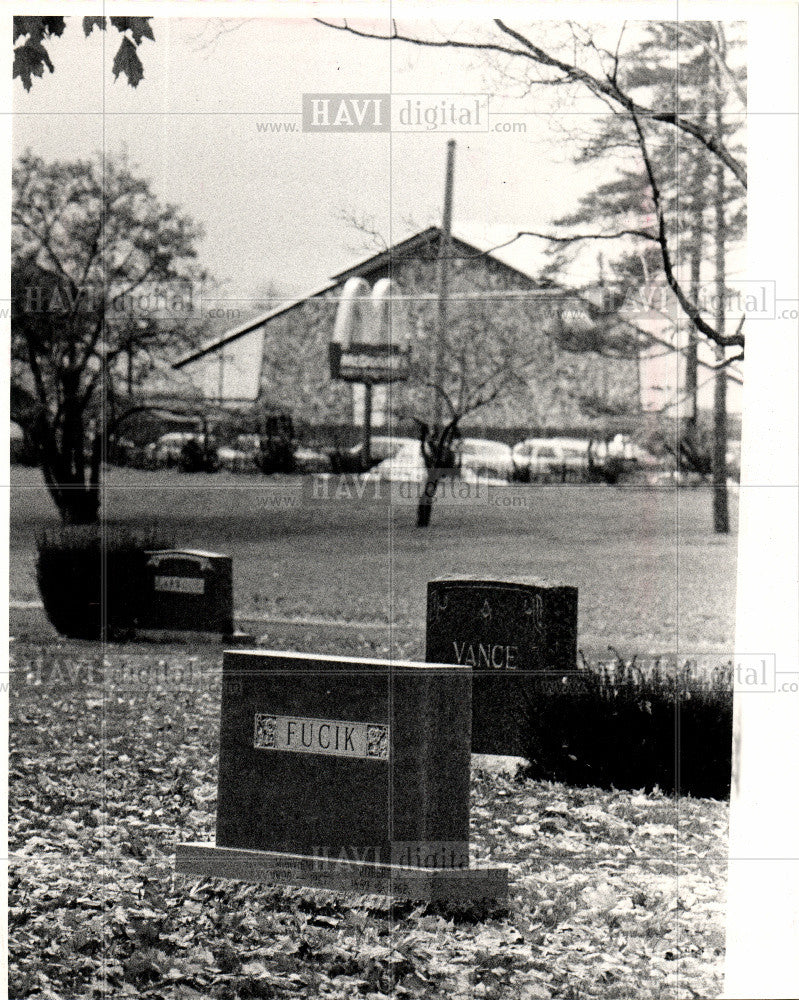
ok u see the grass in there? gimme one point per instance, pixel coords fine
(652, 576)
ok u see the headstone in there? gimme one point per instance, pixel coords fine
(344, 773)
(188, 590)
(507, 631)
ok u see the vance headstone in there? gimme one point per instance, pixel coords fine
(344, 773)
(188, 590)
(507, 631)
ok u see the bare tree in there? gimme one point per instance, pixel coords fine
(651, 103)
(603, 71)
(483, 357)
(675, 192)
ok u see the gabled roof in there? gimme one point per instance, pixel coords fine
(249, 326)
(384, 257)
(367, 266)
(502, 244)
(517, 253)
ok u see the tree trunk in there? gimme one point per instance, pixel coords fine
(698, 203)
(691, 387)
(424, 510)
(437, 453)
(77, 500)
(721, 518)
(80, 505)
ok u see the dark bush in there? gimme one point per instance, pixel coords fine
(22, 451)
(612, 469)
(276, 454)
(198, 456)
(124, 453)
(345, 461)
(520, 474)
(614, 726)
(77, 566)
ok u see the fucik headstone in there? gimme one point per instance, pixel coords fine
(345, 773)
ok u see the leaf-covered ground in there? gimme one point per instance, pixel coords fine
(113, 760)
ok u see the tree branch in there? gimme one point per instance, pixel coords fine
(688, 307)
(610, 88)
(607, 88)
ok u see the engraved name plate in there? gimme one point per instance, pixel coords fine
(180, 584)
(365, 740)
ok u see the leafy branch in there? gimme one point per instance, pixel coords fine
(32, 56)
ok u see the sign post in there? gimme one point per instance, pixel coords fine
(363, 349)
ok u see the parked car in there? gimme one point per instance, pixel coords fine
(248, 444)
(381, 447)
(485, 458)
(234, 459)
(241, 455)
(308, 460)
(548, 458)
(123, 452)
(169, 447)
(247, 455)
(406, 465)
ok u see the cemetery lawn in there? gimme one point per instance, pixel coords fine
(652, 576)
(113, 760)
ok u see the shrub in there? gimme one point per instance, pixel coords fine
(198, 456)
(520, 474)
(22, 451)
(344, 461)
(617, 726)
(77, 567)
(275, 455)
(612, 469)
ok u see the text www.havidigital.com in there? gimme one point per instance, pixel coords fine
(383, 112)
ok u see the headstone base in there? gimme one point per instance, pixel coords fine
(186, 637)
(457, 885)
(240, 639)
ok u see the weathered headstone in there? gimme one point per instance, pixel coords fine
(507, 631)
(344, 773)
(188, 590)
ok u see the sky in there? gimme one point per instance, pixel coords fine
(272, 203)
(216, 126)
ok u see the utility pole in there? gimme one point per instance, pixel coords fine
(366, 448)
(444, 254)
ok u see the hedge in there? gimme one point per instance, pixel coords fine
(615, 725)
(92, 577)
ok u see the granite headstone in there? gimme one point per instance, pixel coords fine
(507, 631)
(344, 773)
(188, 590)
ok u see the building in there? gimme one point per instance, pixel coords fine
(579, 368)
